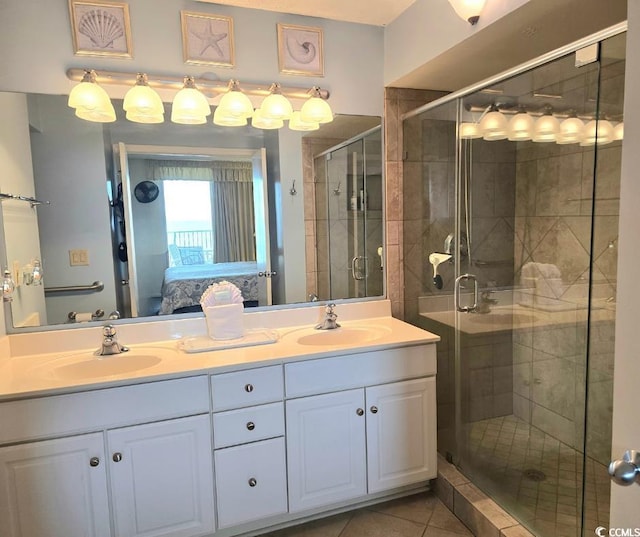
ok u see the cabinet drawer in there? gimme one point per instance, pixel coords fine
(250, 482)
(247, 388)
(248, 425)
(359, 370)
(100, 409)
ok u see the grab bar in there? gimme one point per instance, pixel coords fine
(31, 201)
(95, 287)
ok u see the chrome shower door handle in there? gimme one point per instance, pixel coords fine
(356, 270)
(456, 293)
(626, 471)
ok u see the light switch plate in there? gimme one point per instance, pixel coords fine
(79, 258)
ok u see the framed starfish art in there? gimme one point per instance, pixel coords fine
(207, 39)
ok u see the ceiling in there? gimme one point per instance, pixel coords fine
(376, 12)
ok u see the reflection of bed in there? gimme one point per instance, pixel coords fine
(183, 285)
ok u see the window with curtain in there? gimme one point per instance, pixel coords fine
(230, 236)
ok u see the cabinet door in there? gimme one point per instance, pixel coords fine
(326, 449)
(251, 482)
(162, 478)
(401, 433)
(54, 488)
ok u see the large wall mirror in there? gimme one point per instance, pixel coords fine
(142, 218)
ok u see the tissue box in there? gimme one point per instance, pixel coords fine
(225, 322)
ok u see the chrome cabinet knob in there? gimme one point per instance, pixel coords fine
(94, 461)
(374, 409)
(626, 471)
(253, 482)
(360, 412)
(117, 457)
(251, 426)
(248, 388)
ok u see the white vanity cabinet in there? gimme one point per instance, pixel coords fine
(348, 443)
(248, 431)
(156, 475)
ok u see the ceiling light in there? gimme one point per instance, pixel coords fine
(296, 123)
(468, 10)
(469, 131)
(235, 102)
(190, 106)
(546, 128)
(570, 131)
(276, 105)
(520, 127)
(142, 103)
(316, 109)
(494, 126)
(259, 121)
(91, 101)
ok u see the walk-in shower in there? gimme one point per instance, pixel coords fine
(524, 172)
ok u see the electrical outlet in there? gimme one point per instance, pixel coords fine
(79, 258)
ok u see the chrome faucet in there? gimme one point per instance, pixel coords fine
(110, 344)
(330, 317)
(485, 302)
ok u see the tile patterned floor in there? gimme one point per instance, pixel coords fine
(420, 515)
(549, 504)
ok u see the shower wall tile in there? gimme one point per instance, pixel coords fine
(553, 424)
(553, 386)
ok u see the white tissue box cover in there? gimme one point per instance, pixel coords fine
(225, 322)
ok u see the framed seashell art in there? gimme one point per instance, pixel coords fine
(100, 28)
(207, 39)
(300, 50)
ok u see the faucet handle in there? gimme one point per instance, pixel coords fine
(108, 330)
(329, 308)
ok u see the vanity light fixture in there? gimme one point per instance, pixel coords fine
(91, 101)
(259, 121)
(598, 131)
(520, 127)
(276, 105)
(546, 128)
(316, 109)
(142, 103)
(223, 118)
(235, 103)
(618, 131)
(470, 131)
(296, 123)
(190, 106)
(494, 125)
(570, 131)
(468, 10)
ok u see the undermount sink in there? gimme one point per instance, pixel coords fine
(341, 336)
(86, 365)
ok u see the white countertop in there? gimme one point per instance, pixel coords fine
(37, 374)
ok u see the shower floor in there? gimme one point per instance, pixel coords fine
(535, 477)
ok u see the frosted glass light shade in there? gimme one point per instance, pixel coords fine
(520, 127)
(97, 115)
(276, 106)
(469, 131)
(260, 122)
(89, 95)
(468, 10)
(223, 118)
(316, 110)
(235, 103)
(190, 107)
(494, 126)
(546, 129)
(296, 123)
(143, 102)
(570, 131)
(597, 131)
(618, 131)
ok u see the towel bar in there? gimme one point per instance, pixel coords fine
(95, 287)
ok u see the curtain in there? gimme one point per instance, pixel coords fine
(231, 201)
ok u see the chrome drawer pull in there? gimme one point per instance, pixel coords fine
(94, 461)
(252, 482)
(248, 388)
(251, 426)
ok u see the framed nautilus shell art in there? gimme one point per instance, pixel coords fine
(300, 50)
(100, 29)
(207, 39)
